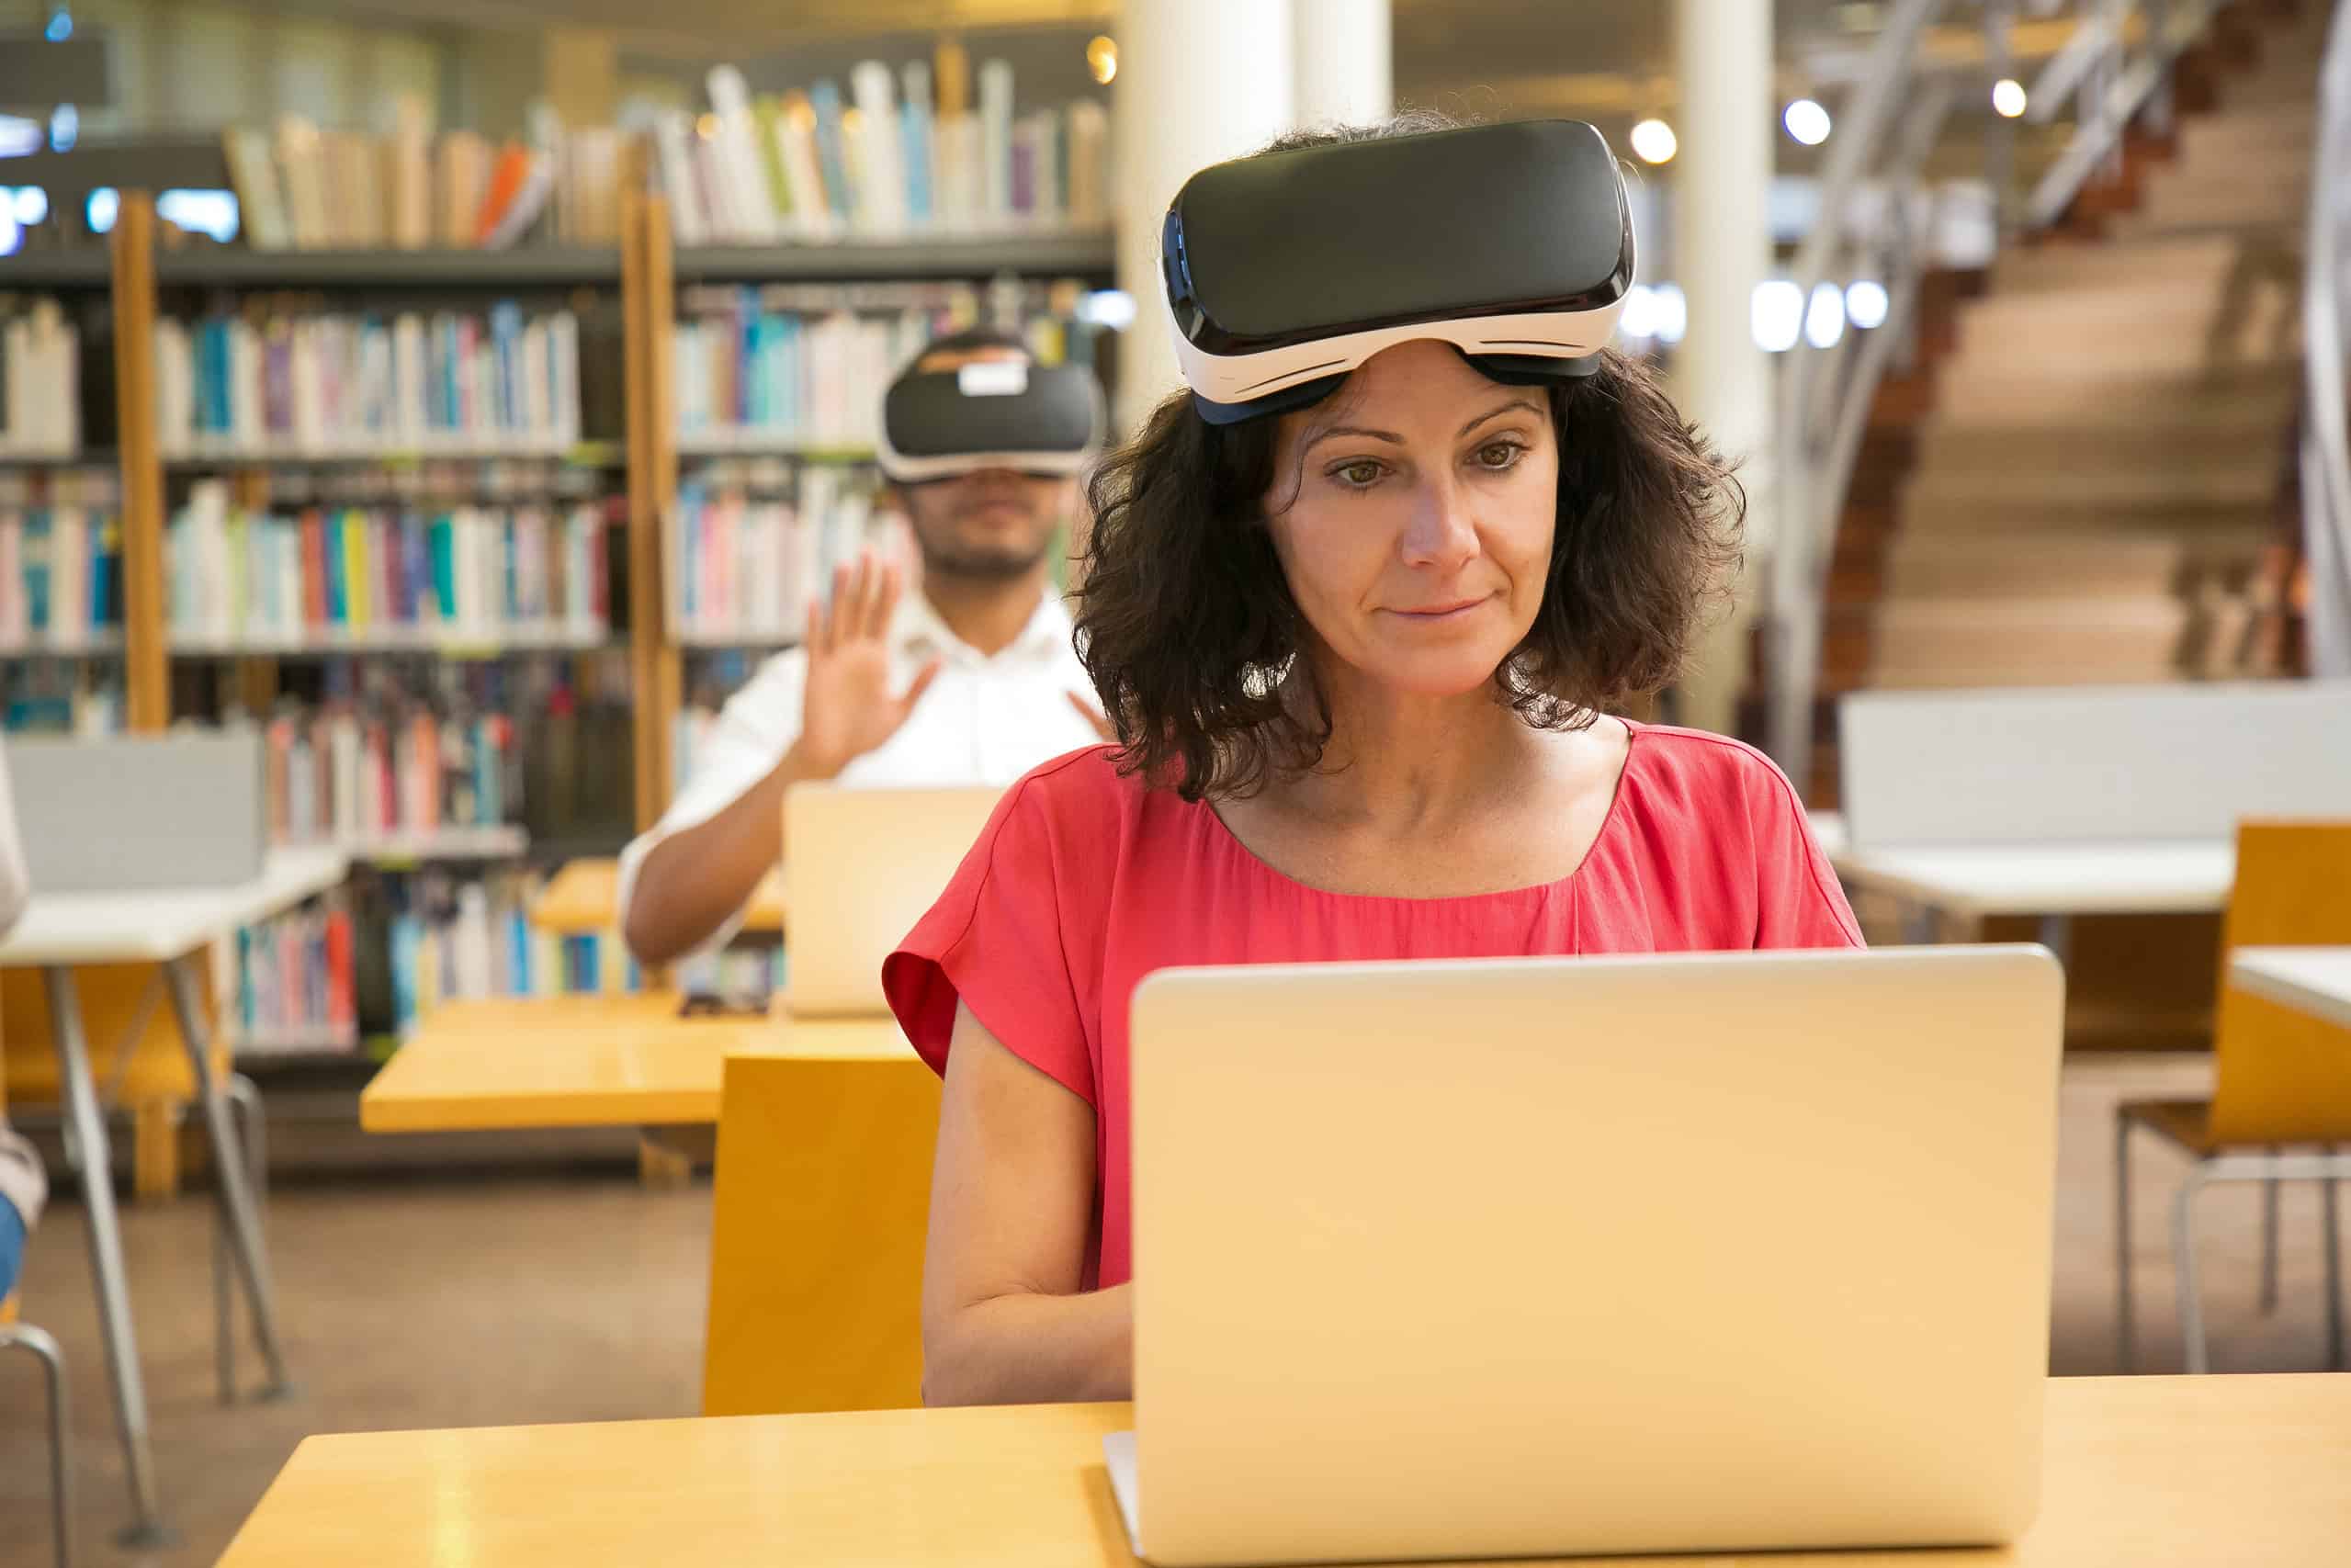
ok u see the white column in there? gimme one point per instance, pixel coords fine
(1341, 52)
(1198, 80)
(1722, 249)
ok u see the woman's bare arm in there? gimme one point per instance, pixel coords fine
(1012, 1211)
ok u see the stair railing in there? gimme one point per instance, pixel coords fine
(2108, 72)
(2326, 426)
(2117, 65)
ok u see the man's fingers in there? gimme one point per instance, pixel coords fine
(1093, 715)
(886, 600)
(920, 684)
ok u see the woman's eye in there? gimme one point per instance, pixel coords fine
(1498, 455)
(1357, 474)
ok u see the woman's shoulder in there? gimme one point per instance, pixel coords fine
(1707, 770)
(1082, 792)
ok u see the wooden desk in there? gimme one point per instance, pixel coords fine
(2315, 980)
(584, 899)
(587, 1061)
(169, 927)
(2145, 1471)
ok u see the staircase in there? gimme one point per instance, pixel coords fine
(2089, 478)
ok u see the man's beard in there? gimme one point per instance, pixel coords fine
(945, 559)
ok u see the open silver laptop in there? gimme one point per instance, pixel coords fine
(861, 866)
(1502, 1258)
(103, 814)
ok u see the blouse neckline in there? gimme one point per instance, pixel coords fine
(1233, 846)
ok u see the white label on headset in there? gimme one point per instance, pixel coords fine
(992, 378)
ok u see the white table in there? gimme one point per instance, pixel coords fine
(170, 927)
(2315, 980)
(2120, 877)
(2054, 881)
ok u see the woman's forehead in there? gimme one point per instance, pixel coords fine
(1423, 383)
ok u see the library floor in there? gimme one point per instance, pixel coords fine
(433, 1302)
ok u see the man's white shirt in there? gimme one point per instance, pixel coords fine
(984, 720)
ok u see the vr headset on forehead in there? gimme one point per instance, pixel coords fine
(1287, 270)
(993, 413)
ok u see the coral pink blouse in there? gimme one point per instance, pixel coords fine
(1083, 882)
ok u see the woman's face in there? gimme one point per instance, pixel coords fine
(1419, 537)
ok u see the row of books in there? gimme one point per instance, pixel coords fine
(429, 481)
(295, 989)
(343, 774)
(451, 938)
(807, 367)
(61, 578)
(745, 569)
(308, 384)
(46, 696)
(911, 151)
(41, 367)
(745, 973)
(299, 187)
(386, 576)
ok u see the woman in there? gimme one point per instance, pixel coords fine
(1360, 655)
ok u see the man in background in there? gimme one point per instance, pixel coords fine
(972, 679)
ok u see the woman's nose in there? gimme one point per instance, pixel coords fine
(1442, 535)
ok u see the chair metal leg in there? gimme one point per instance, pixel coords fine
(147, 1527)
(2334, 1277)
(2126, 1344)
(2191, 1302)
(2269, 1190)
(244, 1096)
(239, 1210)
(44, 1349)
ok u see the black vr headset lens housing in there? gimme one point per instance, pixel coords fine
(993, 414)
(1287, 270)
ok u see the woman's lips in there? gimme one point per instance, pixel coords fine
(1440, 612)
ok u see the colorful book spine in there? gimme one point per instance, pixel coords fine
(297, 984)
(306, 385)
(361, 577)
(60, 546)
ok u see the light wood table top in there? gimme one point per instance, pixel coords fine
(160, 924)
(2315, 980)
(2144, 1471)
(582, 898)
(587, 1061)
(2124, 877)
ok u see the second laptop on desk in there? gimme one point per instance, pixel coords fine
(861, 866)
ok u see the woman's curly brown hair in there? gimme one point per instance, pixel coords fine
(1188, 627)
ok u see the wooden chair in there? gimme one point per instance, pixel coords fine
(2281, 1097)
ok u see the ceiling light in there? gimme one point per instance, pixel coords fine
(1655, 142)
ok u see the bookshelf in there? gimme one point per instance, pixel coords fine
(627, 669)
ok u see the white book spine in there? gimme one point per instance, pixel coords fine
(996, 141)
(882, 195)
(564, 339)
(673, 139)
(811, 211)
(750, 208)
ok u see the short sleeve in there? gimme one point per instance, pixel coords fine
(1799, 901)
(999, 939)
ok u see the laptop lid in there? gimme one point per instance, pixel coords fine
(1624, 1255)
(861, 866)
(118, 812)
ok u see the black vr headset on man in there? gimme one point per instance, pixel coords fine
(1287, 270)
(991, 414)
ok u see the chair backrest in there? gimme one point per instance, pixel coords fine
(2284, 1077)
(2072, 763)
